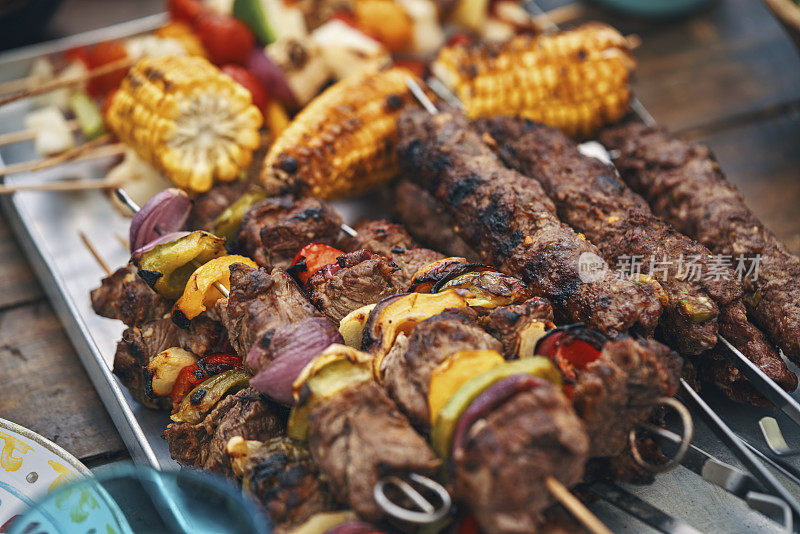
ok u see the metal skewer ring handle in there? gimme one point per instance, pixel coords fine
(687, 433)
(427, 512)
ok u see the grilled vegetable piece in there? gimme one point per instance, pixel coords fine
(335, 369)
(187, 119)
(449, 415)
(228, 223)
(200, 291)
(342, 142)
(165, 368)
(400, 314)
(168, 266)
(351, 327)
(454, 372)
(574, 80)
(202, 399)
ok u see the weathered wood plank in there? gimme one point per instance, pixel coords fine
(17, 281)
(45, 388)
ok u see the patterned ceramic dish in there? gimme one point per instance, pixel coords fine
(30, 467)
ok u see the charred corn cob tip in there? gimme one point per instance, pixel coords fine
(574, 80)
(188, 119)
(342, 143)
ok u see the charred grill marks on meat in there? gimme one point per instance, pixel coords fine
(275, 229)
(357, 279)
(592, 200)
(259, 302)
(393, 242)
(513, 225)
(359, 436)
(246, 414)
(408, 366)
(428, 221)
(686, 187)
(140, 344)
(125, 296)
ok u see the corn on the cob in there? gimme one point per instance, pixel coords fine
(343, 141)
(190, 121)
(574, 80)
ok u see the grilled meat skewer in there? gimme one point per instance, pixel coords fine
(428, 221)
(513, 225)
(123, 295)
(687, 188)
(592, 200)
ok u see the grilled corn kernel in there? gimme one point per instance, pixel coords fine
(343, 141)
(574, 80)
(186, 118)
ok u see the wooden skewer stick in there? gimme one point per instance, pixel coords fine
(558, 15)
(63, 186)
(29, 134)
(20, 84)
(73, 153)
(98, 258)
(38, 165)
(575, 507)
(67, 81)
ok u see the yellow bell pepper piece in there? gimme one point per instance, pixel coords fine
(200, 292)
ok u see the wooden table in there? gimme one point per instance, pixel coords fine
(728, 77)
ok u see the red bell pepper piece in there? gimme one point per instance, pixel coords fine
(191, 375)
(570, 352)
(311, 259)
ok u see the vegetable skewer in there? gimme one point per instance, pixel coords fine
(123, 63)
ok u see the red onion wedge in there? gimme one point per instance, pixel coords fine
(278, 361)
(262, 67)
(490, 399)
(164, 213)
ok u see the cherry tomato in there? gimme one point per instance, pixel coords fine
(191, 375)
(311, 259)
(226, 39)
(468, 525)
(416, 66)
(80, 53)
(459, 39)
(247, 79)
(347, 17)
(102, 54)
(186, 11)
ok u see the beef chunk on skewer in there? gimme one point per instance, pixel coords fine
(123, 295)
(246, 414)
(359, 436)
(408, 366)
(274, 230)
(140, 344)
(258, 303)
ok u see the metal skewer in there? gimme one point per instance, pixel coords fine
(744, 454)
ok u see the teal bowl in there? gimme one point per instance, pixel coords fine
(655, 9)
